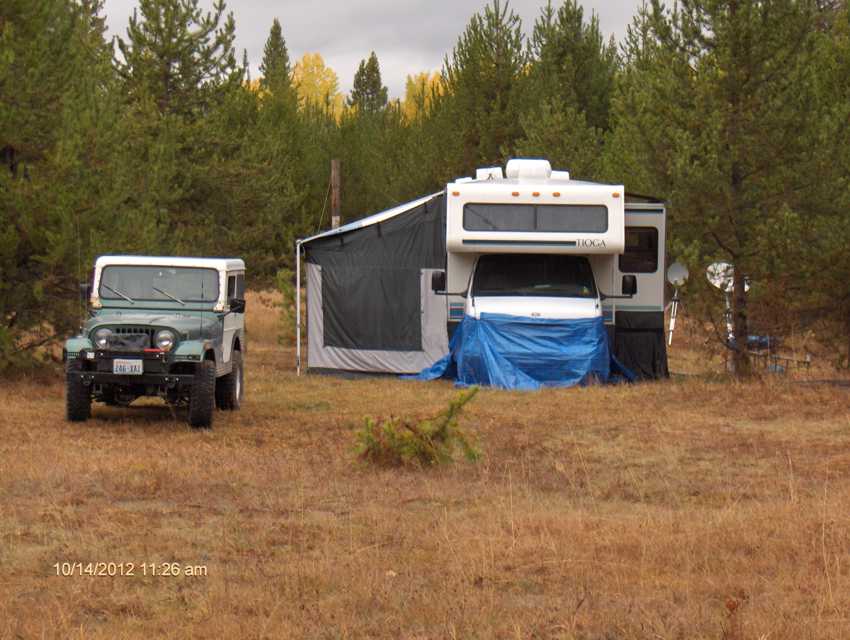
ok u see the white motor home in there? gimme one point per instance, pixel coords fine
(385, 293)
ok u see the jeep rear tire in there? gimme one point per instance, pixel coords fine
(229, 389)
(77, 394)
(202, 396)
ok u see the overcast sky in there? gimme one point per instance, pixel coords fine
(408, 36)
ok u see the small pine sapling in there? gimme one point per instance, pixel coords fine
(395, 442)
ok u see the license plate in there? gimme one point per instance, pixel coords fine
(128, 367)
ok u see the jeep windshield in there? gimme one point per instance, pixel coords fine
(534, 275)
(158, 284)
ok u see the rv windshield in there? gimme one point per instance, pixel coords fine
(167, 284)
(534, 275)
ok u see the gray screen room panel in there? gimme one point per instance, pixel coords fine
(376, 308)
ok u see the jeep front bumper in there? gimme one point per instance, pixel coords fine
(168, 380)
(96, 368)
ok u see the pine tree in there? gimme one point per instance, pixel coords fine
(561, 134)
(275, 68)
(480, 112)
(179, 57)
(56, 132)
(567, 96)
(368, 94)
(717, 111)
(809, 273)
(572, 64)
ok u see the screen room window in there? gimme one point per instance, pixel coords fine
(641, 254)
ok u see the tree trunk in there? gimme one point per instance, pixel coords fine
(740, 359)
(847, 362)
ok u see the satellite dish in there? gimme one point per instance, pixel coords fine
(677, 274)
(720, 275)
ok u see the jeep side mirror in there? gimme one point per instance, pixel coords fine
(438, 281)
(237, 305)
(629, 287)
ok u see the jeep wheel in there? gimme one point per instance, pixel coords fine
(229, 389)
(202, 396)
(77, 395)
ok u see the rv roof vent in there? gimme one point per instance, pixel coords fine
(527, 169)
(489, 173)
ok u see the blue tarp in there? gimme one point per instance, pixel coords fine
(513, 352)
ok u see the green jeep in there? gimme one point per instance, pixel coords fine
(167, 327)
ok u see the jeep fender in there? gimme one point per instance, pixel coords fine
(191, 348)
(238, 337)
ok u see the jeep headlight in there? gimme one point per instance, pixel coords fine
(164, 339)
(101, 337)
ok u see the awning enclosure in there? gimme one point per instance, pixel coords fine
(369, 301)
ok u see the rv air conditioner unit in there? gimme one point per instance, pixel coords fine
(528, 170)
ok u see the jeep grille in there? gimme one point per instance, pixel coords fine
(131, 337)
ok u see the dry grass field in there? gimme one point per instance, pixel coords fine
(694, 508)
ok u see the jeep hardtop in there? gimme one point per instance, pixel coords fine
(161, 326)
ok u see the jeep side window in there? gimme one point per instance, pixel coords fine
(231, 287)
(240, 286)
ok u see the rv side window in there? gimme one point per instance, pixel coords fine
(498, 217)
(572, 218)
(553, 218)
(641, 255)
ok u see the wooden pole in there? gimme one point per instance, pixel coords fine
(336, 205)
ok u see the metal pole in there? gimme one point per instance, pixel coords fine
(674, 310)
(336, 205)
(298, 307)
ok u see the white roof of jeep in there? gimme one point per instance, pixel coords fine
(219, 264)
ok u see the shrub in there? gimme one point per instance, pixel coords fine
(285, 279)
(395, 442)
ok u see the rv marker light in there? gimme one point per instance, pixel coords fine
(515, 193)
(535, 193)
(557, 194)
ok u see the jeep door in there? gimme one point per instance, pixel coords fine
(233, 322)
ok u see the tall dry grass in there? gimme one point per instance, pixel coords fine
(682, 509)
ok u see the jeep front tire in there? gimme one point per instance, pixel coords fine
(77, 394)
(202, 395)
(229, 389)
